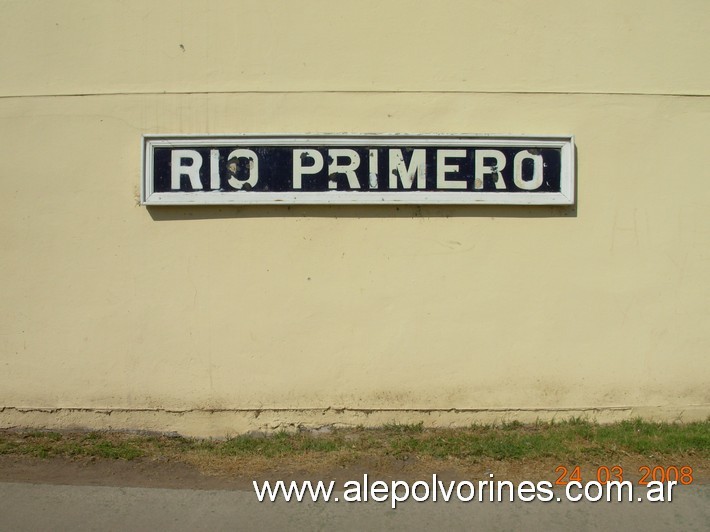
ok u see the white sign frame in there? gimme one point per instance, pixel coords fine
(566, 195)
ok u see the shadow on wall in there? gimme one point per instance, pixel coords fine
(202, 212)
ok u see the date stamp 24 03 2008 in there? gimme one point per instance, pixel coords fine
(603, 474)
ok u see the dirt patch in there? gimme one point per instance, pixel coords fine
(237, 474)
(106, 472)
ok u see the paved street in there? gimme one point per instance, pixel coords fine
(76, 508)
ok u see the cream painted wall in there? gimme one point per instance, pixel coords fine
(215, 320)
(117, 46)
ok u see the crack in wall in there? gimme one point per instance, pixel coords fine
(373, 92)
(338, 410)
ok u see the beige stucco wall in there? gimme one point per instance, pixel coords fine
(215, 320)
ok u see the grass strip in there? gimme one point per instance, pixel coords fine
(572, 440)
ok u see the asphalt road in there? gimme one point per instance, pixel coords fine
(77, 508)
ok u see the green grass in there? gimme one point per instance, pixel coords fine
(51, 444)
(572, 440)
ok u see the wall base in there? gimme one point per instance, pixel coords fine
(226, 423)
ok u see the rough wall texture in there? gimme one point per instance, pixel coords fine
(216, 320)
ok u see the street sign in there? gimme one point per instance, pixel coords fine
(365, 169)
